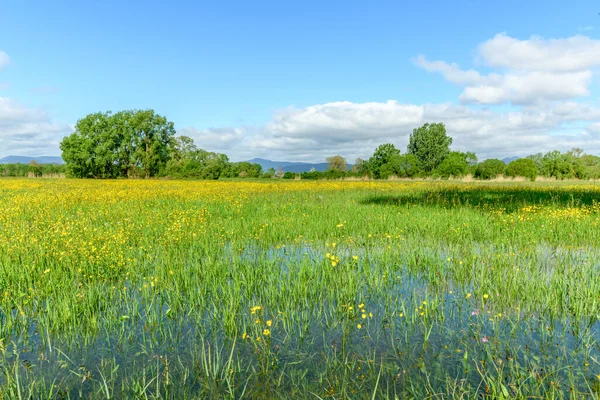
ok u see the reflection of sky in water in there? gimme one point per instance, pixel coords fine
(451, 339)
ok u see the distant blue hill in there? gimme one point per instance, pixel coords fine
(27, 160)
(288, 166)
(509, 159)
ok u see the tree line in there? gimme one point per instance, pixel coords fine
(143, 144)
(32, 169)
(429, 155)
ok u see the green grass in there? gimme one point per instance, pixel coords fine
(135, 289)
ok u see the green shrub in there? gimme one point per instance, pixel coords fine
(524, 167)
(490, 169)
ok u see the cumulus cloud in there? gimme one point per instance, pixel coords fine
(544, 80)
(572, 54)
(594, 129)
(529, 88)
(532, 71)
(344, 119)
(356, 129)
(28, 131)
(453, 73)
(214, 139)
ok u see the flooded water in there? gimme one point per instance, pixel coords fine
(408, 330)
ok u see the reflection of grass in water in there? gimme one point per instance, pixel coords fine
(147, 288)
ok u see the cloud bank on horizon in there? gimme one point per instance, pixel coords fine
(523, 96)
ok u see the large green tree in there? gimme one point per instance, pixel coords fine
(524, 167)
(383, 154)
(455, 164)
(152, 135)
(490, 169)
(361, 167)
(92, 150)
(401, 166)
(430, 144)
(336, 163)
(128, 143)
(188, 161)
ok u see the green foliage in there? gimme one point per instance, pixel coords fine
(140, 143)
(537, 159)
(430, 145)
(401, 166)
(243, 169)
(188, 161)
(455, 164)
(128, 143)
(572, 164)
(382, 155)
(337, 163)
(591, 166)
(38, 170)
(555, 164)
(269, 174)
(329, 174)
(213, 290)
(361, 167)
(289, 175)
(35, 169)
(524, 167)
(312, 175)
(490, 169)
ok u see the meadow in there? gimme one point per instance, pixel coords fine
(316, 290)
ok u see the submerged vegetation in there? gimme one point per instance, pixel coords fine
(278, 289)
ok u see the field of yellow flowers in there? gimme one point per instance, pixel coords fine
(268, 289)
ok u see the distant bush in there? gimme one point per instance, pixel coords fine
(289, 175)
(490, 169)
(524, 167)
(455, 165)
(401, 166)
(33, 169)
(329, 174)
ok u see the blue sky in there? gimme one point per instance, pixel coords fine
(304, 80)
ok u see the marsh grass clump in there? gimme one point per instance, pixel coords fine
(295, 289)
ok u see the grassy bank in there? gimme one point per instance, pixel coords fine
(299, 289)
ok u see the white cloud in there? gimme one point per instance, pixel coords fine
(356, 129)
(544, 79)
(28, 131)
(532, 71)
(594, 129)
(529, 88)
(344, 119)
(517, 87)
(214, 139)
(453, 73)
(572, 54)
